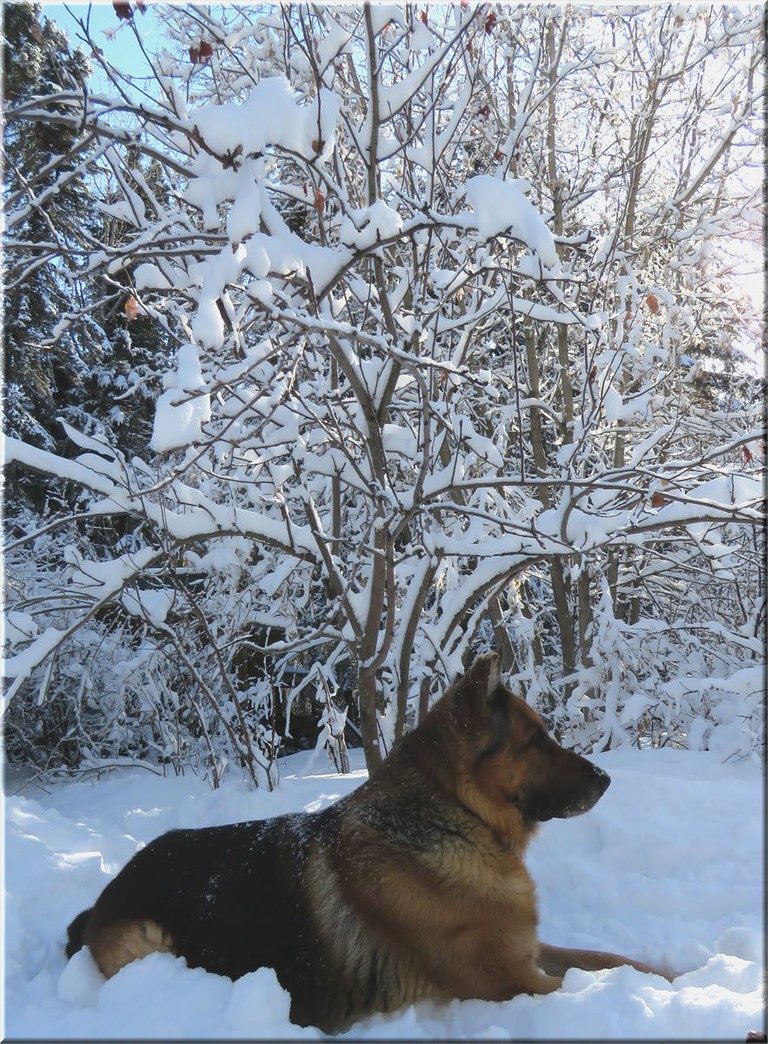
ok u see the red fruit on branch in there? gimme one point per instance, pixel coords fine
(201, 53)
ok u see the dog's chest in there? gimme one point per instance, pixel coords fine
(376, 977)
(490, 876)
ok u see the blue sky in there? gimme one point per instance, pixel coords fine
(121, 49)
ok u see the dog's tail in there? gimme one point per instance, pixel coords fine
(75, 932)
(556, 960)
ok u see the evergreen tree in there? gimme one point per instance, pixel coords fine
(45, 205)
(124, 378)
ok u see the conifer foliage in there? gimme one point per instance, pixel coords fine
(45, 215)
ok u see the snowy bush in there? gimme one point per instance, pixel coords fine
(446, 368)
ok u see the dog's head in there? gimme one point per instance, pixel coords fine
(508, 760)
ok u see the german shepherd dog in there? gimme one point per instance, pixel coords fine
(413, 886)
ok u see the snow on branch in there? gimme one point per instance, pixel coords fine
(435, 350)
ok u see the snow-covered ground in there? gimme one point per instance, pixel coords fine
(667, 867)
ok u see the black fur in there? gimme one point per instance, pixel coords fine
(75, 931)
(229, 929)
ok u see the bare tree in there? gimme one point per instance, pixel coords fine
(425, 348)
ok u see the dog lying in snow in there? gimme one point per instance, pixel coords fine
(413, 886)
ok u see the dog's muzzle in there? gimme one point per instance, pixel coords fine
(597, 788)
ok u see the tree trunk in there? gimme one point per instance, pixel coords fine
(369, 724)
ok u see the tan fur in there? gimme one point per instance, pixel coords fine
(472, 934)
(116, 944)
(354, 946)
(466, 919)
(556, 960)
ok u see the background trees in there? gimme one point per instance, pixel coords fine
(443, 298)
(43, 375)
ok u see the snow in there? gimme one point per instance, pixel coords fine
(614, 405)
(184, 406)
(270, 116)
(100, 579)
(667, 868)
(122, 210)
(198, 515)
(149, 277)
(285, 253)
(369, 226)
(398, 439)
(383, 14)
(215, 274)
(336, 42)
(616, 409)
(19, 627)
(500, 206)
(21, 664)
(421, 38)
(720, 495)
(151, 605)
(244, 217)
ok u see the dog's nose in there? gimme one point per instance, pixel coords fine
(603, 779)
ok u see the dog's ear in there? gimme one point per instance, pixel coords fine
(484, 676)
(472, 695)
